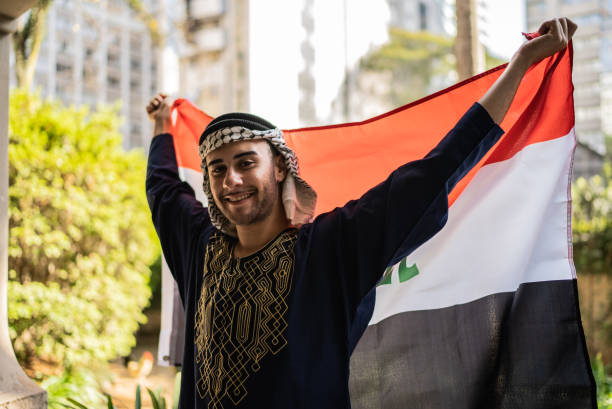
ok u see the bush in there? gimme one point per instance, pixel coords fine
(603, 379)
(80, 240)
(81, 384)
(592, 223)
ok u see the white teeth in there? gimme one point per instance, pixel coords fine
(238, 198)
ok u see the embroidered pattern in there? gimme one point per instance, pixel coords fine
(241, 315)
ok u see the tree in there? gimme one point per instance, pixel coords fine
(414, 60)
(419, 63)
(467, 45)
(28, 38)
(27, 41)
(592, 225)
(80, 239)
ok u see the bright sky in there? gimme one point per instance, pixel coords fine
(506, 21)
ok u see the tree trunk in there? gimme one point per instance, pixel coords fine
(27, 41)
(466, 45)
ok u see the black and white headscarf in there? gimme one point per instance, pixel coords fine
(299, 199)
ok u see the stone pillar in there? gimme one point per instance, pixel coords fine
(17, 391)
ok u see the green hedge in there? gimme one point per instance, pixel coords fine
(80, 239)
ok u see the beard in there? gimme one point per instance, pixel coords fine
(260, 205)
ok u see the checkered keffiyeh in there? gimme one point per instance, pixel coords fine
(299, 199)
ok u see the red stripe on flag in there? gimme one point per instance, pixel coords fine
(342, 161)
(188, 123)
(542, 110)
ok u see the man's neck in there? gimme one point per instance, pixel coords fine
(254, 237)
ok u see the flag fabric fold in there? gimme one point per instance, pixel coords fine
(484, 314)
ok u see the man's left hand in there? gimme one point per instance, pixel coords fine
(554, 36)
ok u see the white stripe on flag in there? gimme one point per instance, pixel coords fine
(509, 226)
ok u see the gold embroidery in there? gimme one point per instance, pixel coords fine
(241, 315)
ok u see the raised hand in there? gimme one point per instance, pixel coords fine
(158, 110)
(554, 36)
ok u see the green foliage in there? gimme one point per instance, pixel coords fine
(592, 223)
(138, 400)
(157, 401)
(420, 63)
(592, 240)
(603, 379)
(177, 390)
(492, 61)
(63, 388)
(414, 59)
(80, 241)
(109, 402)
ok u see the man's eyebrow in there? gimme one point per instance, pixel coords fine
(239, 155)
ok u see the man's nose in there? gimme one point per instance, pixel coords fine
(232, 178)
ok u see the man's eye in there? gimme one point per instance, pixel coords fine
(217, 170)
(247, 163)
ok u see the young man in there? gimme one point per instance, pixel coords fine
(271, 296)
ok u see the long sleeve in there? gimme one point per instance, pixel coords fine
(178, 217)
(389, 221)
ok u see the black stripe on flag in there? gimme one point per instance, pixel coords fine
(522, 349)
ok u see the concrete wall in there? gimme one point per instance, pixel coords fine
(16, 389)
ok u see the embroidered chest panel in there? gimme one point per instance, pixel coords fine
(241, 315)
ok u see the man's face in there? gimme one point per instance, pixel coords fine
(244, 178)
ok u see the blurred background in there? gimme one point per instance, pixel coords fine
(82, 72)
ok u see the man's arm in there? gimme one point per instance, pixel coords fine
(158, 110)
(554, 37)
(179, 218)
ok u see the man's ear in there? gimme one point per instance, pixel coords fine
(280, 169)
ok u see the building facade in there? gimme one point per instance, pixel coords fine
(99, 52)
(435, 16)
(592, 74)
(214, 56)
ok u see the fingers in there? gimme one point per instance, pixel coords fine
(561, 29)
(564, 32)
(545, 27)
(571, 28)
(156, 102)
(557, 33)
(554, 36)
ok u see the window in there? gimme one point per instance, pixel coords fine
(422, 16)
(59, 67)
(112, 81)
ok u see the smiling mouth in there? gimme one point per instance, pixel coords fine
(237, 197)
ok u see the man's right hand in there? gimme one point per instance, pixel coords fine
(158, 111)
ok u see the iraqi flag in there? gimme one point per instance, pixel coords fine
(485, 314)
